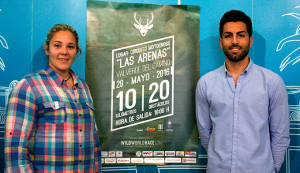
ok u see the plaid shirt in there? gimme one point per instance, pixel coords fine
(50, 127)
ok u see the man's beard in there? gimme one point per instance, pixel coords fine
(236, 57)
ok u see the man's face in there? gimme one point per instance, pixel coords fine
(235, 41)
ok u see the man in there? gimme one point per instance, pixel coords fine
(242, 108)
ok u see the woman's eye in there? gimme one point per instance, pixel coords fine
(57, 45)
(71, 47)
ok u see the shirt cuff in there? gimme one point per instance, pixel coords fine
(28, 168)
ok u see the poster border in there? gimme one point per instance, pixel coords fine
(113, 82)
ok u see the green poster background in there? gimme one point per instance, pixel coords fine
(142, 68)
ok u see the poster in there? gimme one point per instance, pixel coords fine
(142, 69)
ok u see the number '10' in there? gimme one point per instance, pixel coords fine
(131, 94)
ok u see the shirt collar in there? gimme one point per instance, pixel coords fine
(77, 81)
(58, 79)
(246, 71)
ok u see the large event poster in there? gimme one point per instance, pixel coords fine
(142, 69)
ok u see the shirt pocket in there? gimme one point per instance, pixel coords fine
(54, 112)
(88, 110)
(89, 115)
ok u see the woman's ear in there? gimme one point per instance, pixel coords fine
(46, 48)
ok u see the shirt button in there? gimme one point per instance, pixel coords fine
(234, 153)
(236, 98)
(233, 171)
(235, 116)
(80, 145)
(235, 134)
(76, 101)
(80, 115)
(80, 130)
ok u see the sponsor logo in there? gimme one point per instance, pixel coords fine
(159, 153)
(188, 160)
(138, 154)
(128, 153)
(137, 160)
(138, 142)
(179, 153)
(104, 154)
(112, 154)
(110, 160)
(172, 160)
(169, 153)
(102, 160)
(169, 124)
(119, 153)
(150, 129)
(169, 130)
(147, 153)
(123, 160)
(154, 160)
(190, 154)
(160, 126)
(141, 24)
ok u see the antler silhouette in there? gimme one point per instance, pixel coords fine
(143, 28)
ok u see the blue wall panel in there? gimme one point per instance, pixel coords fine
(24, 25)
(48, 13)
(15, 52)
(15, 29)
(278, 30)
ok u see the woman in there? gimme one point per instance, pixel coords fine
(50, 124)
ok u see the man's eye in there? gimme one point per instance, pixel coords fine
(242, 35)
(71, 47)
(227, 36)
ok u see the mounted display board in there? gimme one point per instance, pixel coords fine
(142, 68)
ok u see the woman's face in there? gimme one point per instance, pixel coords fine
(62, 51)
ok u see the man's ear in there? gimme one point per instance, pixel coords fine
(251, 41)
(220, 41)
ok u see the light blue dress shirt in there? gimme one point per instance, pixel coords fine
(243, 128)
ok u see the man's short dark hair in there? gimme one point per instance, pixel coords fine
(235, 16)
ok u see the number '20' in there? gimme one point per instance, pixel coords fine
(130, 94)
